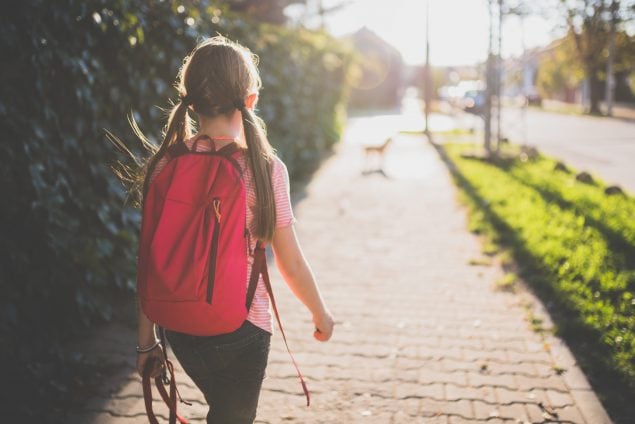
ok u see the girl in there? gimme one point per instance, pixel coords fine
(219, 83)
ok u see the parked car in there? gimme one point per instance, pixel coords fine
(533, 99)
(474, 101)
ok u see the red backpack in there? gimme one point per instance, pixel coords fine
(193, 250)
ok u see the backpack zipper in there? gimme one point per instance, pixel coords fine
(214, 249)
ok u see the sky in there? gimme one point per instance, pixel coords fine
(458, 28)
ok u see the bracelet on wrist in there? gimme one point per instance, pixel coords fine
(148, 348)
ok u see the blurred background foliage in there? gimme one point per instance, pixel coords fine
(73, 69)
(561, 72)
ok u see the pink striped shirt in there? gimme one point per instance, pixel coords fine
(259, 313)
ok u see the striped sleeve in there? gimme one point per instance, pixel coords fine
(158, 167)
(281, 194)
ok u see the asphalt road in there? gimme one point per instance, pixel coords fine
(602, 146)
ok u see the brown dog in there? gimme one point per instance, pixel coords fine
(378, 151)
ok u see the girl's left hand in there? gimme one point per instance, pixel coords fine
(156, 356)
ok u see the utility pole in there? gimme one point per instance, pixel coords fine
(499, 79)
(523, 69)
(315, 9)
(610, 75)
(321, 14)
(488, 84)
(427, 77)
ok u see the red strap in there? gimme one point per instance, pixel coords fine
(170, 400)
(147, 392)
(228, 149)
(260, 260)
(253, 278)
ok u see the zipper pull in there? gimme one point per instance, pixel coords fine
(216, 205)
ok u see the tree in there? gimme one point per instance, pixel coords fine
(271, 11)
(589, 23)
(588, 29)
(559, 70)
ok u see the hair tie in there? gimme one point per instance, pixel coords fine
(185, 99)
(239, 104)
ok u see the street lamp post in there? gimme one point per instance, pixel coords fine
(610, 77)
(499, 71)
(488, 84)
(426, 83)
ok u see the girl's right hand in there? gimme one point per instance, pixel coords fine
(155, 355)
(324, 324)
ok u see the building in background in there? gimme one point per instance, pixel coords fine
(380, 83)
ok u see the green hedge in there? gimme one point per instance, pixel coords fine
(575, 245)
(72, 69)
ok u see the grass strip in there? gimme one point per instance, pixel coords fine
(573, 244)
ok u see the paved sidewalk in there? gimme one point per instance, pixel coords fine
(422, 335)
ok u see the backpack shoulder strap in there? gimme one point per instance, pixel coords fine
(253, 278)
(177, 149)
(260, 268)
(232, 152)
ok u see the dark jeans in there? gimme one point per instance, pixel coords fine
(228, 369)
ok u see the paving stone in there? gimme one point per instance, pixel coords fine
(459, 420)
(461, 407)
(516, 412)
(427, 376)
(552, 382)
(559, 399)
(455, 392)
(437, 419)
(570, 413)
(406, 390)
(489, 412)
(506, 396)
(590, 406)
(480, 355)
(481, 379)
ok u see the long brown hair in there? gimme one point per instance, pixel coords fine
(215, 79)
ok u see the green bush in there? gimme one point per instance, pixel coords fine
(72, 69)
(574, 244)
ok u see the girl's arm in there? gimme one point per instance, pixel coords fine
(146, 336)
(296, 272)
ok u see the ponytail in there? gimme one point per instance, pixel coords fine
(178, 128)
(260, 158)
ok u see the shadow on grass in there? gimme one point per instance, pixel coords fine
(612, 387)
(621, 247)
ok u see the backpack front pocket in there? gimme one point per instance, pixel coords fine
(180, 252)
